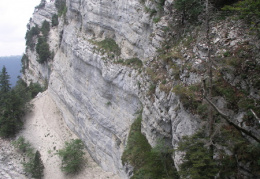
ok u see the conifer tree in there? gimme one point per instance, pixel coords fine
(72, 156)
(5, 103)
(13, 105)
(4, 81)
(38, 167)
(4, 88)
(189, 9)
(12, 110)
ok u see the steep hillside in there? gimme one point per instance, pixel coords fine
(107, 62)
(45, 131)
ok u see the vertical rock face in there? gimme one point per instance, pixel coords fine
(100, 92)
(98, 98)
(124, 21)
(96, 102)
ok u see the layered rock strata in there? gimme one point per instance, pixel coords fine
(100, 99)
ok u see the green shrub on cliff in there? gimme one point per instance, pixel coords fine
(197, 163)
(25, 63)
(61, 7)
(43, 50)
(248, 10)
(34, 89)
(148, 162)
(134, 62)
(110, 46)
(41, 5)
(54, 20)
(30, 34)
(23, 146)
(42, 47)
(189, 9)
(45, 29)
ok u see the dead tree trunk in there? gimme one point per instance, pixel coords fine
(210, 76)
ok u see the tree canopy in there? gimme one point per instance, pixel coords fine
(189, 9)
(248, 10)
(13, 104)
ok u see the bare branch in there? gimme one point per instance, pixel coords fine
(227, 118)
(217, 129)
(255, 115)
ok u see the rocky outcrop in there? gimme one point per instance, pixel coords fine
(98, 98)
(36, 71)
(99, 95)
(10, 161)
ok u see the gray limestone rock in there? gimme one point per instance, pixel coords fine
(98, 98)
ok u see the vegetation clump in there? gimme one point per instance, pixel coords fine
(34, 89)
(34, 165)
(43, 50)
(54, 20)
(189, 9)
(30, 34)
(248, 10)
(134, 62)
(42, 47)
(23, 146)
(147, 162)
(72, 156)
(223, 149)
(13, 104)
(25, 63)
(45, 29)
(109, 46)
(41, 5)
(198, 161)
(61, 7)
(190, 96)
(38, 167)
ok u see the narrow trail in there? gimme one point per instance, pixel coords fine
(46, 131)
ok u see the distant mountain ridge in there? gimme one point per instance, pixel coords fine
(13, 65)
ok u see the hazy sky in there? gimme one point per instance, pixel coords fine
(14, 16)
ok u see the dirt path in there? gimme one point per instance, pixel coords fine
(45, 130)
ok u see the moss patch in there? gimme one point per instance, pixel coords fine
(131, 62)
(134, 62)
(109, 46)
(190, 97)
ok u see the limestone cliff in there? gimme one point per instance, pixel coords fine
(100, 94)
